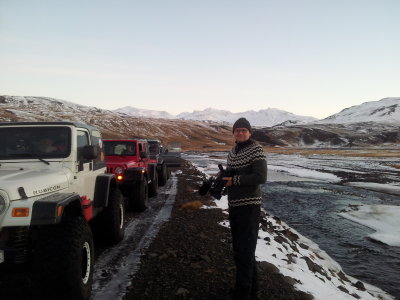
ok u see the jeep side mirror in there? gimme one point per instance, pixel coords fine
(90, 152)
(143, 154)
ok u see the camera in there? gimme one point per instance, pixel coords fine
(215, 186)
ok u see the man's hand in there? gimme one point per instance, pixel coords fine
(228, 181)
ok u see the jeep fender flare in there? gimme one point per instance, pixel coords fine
(160, 163)
(152, 169)
(46, 211)
(102, 189)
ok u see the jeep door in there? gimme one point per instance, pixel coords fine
(86, 176)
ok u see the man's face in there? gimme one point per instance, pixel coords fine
(241, 134)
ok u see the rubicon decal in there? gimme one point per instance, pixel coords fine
(47, 190)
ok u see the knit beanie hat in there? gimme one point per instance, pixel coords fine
(242, 123)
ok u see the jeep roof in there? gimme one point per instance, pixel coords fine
(76, 124)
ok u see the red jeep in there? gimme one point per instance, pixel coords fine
(136, 175)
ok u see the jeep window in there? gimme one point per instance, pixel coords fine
(38, 142)
(82, 140)
(99, 162)
(120, 148)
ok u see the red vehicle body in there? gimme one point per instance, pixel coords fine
(136, 174)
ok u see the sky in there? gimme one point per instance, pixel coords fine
(308, 57)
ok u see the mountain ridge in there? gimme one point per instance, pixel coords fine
(380, 129)
(263, 117)
(386, 110)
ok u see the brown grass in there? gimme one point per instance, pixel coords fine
(337, 152)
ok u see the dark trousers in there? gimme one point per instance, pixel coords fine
(244, 222)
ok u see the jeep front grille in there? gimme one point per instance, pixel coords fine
(3, 201)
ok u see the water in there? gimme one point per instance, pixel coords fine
(312, 209)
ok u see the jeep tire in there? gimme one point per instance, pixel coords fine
(109, 226)
(163, 175)
(63, 260)
(140, 196)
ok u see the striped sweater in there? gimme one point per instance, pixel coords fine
(248, 163)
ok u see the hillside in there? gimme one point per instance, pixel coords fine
(375, 124)
(368, 134)
(370, 124)
(386, 110)
(191, 134)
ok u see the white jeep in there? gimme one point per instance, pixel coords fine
(54, 191)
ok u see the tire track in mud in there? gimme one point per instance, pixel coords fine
(115, 266)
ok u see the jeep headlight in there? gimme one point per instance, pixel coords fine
(118, 170)
(3, 201)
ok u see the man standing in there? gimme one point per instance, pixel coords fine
(248, 163)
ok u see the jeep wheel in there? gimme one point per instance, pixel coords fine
(153, 186)
(141, 196)
(163, 175)
(63, 258)
(109, 227)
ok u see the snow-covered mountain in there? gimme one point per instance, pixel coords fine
(265, 117)
(147, 113)
(386, 110)
(191, 134)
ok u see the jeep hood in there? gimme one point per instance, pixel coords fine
(34, 182)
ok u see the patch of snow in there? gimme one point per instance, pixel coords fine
(306, 173)
(385, 219)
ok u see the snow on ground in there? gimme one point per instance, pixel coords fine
(306, 173)
(385, 219)
(313, 270)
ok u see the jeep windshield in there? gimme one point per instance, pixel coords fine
(38, 142)
(154, 147)
(119, 148)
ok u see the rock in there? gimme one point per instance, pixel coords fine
(304, 246)
(290, 235)
(182, 292)
(342, 276)
(267, 267)
(277, 220)
(281, 240)
(359, 285)
(206, 258)
(291, 280)
(313, 267)
(343, 289)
